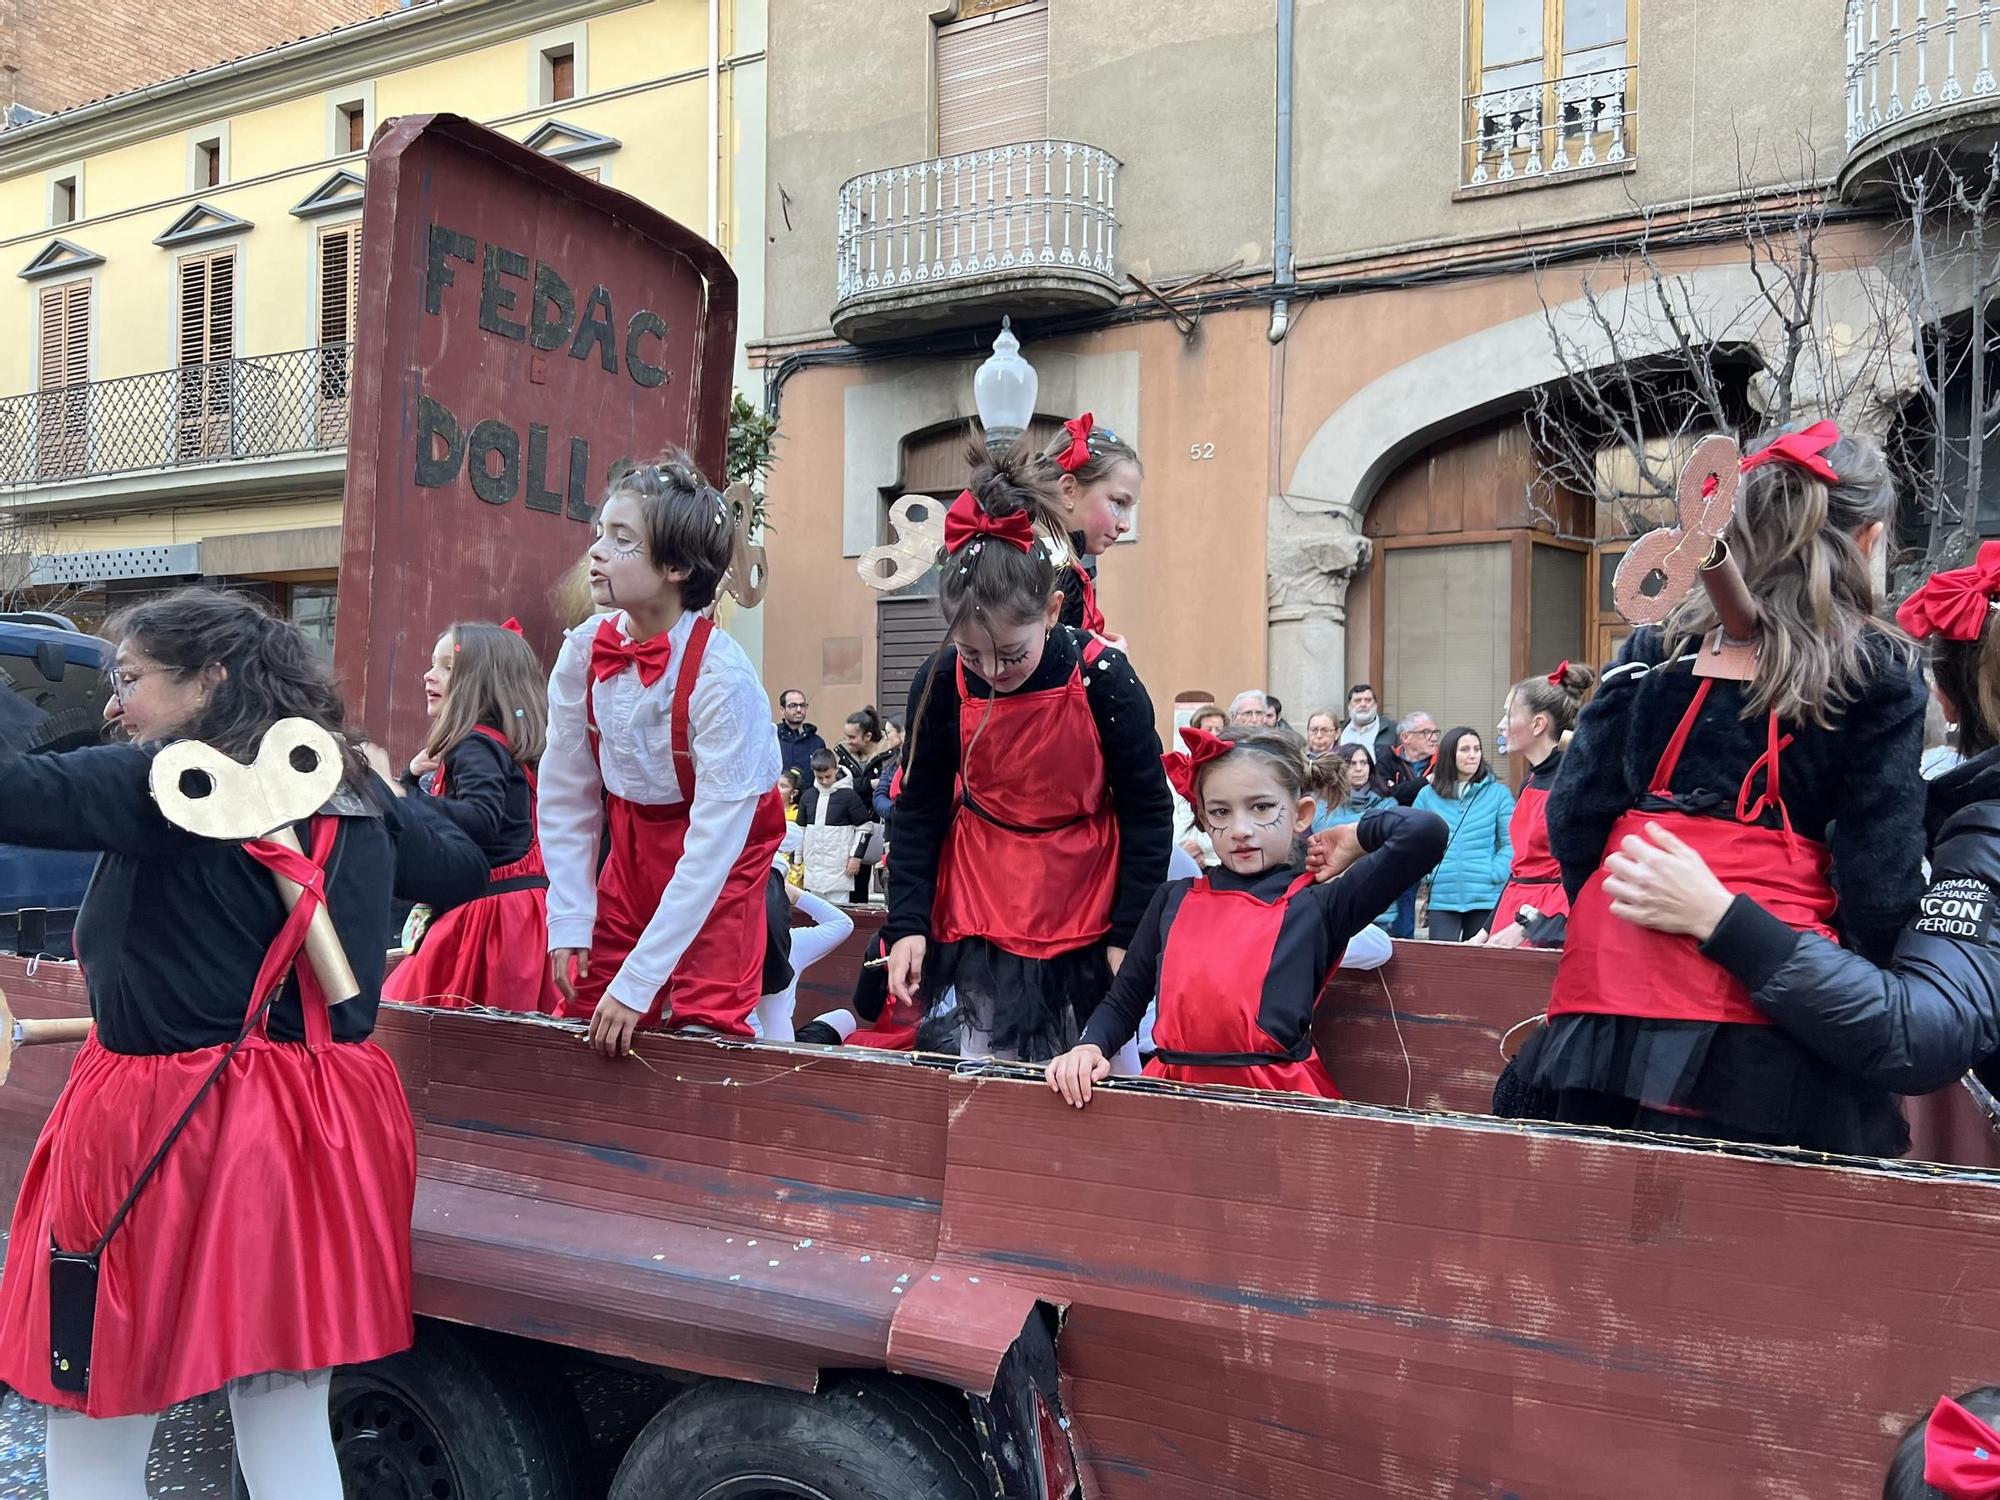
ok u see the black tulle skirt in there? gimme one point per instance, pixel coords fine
(1031, 1009)
(1712, 1080)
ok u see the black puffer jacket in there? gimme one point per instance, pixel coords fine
(1935, 1011)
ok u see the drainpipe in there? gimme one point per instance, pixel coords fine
(714, 117)
(1281, 197)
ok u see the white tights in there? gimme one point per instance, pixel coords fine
(283, 1444)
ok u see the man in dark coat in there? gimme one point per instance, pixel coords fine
(797, 740)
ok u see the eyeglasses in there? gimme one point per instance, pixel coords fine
(1425, 734)
(124, 681)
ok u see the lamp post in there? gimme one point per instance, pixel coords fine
(1003, 389)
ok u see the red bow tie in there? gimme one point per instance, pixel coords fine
(611, 653)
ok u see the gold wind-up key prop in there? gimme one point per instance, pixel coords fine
(298, 767)
(1660, 568)
(749, 569)
(916, 533)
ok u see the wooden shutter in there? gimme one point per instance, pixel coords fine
(908, 630)
(993, 80)
(63, 418)
(207, 349)
(357, 125)
(339, 286)
(562, 77)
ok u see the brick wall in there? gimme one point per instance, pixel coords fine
(55, 54)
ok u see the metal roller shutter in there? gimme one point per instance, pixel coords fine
(993, 80)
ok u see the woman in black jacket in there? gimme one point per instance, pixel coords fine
(1935, 1011)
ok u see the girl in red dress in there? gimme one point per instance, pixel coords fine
(652, 705)
(1034, 820)
(1237, 958)
(489, 720)
(1537, 714)
(273, 1240)
(1797, 783)
(1095, 476)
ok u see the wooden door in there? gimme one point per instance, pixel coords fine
(63, 414)
(207, 356)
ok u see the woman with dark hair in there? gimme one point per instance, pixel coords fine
(860, 743)
(227, 1179)
(1477, 807)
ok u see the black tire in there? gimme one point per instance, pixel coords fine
(863, 1437)
(452, 1419)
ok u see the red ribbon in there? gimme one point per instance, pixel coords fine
(1560, 672)
(1954, 604)
(967, 521)
(609, 657)
(511, 623)
(1183, 767)
(1804, 450)
(1961, 1453)
(1078, 453)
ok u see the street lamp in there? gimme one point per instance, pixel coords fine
(1003, 388)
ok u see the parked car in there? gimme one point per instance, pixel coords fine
(63, 672)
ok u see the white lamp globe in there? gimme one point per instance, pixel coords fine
(1003, 388)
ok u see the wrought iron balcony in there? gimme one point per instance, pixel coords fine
(1560, 127)
(1030, 229)
(1919, 78)
(257, 406)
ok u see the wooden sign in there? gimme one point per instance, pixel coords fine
(521, 329)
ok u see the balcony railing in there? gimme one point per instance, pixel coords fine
(1027, 207)
(258, 406)
(1909, 58)
(1546, 129)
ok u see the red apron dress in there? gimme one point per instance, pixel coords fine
(276, 1234)
(493, 950)
(1212, 973)
(1615, 967)
(1536, 879)
(1031, 862)
(719, 979)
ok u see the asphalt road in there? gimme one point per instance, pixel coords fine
(190, 1451)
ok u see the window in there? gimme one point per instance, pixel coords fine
(993, 80)
(207, 354)
(1552, 88)
(353, 126)
(559, 64)
(63, 410)
(208, 163)
(312, 607)
(63, 201)
(559, 75)
(339, 267)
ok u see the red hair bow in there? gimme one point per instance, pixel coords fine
(967, 521)
(1183, 767)
(1077, 454)
(1961, 1453)
(1561, 671)
(1954, 604)
(511, 623)
(1805, 450)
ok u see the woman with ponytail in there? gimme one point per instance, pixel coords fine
(1767, 778)
(1034, 820)
(1935, 1010)
(1096, 477)
(1538, 712)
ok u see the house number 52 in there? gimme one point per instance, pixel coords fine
(1200, 451)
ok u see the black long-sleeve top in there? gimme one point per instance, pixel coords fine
(1853, 787)
(1402, 845)
(488, 796)
(174, 927)
(1140, 799)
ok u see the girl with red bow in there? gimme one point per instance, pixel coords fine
(1237, 958)
(1794, 784)
(489, 708)
(1538, 712)
(1953, 1454)
(658, 723)
(1097, 477)
(1034, 820)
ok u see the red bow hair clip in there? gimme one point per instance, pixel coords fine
(967, 521)
(1954, 604)
(1077, 454)
(1562, 670)
(512, 624)
(1804, 450)
(1961, 1453)
(1183, 767)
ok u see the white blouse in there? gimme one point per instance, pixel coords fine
(736, 761)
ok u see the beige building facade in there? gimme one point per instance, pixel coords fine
(1339, 485)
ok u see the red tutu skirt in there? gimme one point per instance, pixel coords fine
(275, 1236)
(491, 951)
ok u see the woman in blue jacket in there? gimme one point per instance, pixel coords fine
(1477, 808)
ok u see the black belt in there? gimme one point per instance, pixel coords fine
(965, 799)
(1298, 1052)
(515, 883)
